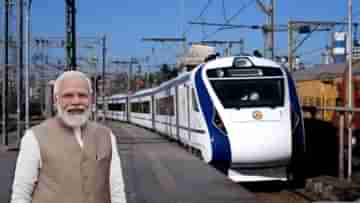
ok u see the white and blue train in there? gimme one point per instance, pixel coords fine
(235, 112)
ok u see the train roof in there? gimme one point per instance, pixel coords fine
(118, 96)
(143, 92)
(228, 61)
(179, 79)
(218, 62)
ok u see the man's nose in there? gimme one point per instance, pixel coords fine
(76, 99)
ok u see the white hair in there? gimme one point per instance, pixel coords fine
(71, 73)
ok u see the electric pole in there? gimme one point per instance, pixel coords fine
(5, 82)
(20, 67)
(350, 105)
(130, 64)
(268, 32)
(103, 75)
(70, 35)
(27, 64)
(306, 27)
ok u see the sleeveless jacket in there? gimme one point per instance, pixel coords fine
(69, 173)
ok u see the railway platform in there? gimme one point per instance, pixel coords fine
(155, 171)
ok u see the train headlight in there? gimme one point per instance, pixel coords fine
(220, 73)
(242, 62)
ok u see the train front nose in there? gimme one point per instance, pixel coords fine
(262, 139)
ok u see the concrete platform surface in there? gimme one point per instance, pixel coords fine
(155, 171)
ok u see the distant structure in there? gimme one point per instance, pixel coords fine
(194, 56)
(49, 94)
(339, 47)
(326, 56)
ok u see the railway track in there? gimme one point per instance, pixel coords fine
(322, 188)
(276, 191)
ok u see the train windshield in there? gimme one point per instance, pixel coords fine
(255, 92)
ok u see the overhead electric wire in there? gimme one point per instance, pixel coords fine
(312, 52)
(354, 15)
(244, 6)
(199, 16)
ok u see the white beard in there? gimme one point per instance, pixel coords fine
(73, 120)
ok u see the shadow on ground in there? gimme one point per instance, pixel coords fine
(321, 148)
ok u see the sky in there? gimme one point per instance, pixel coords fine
(126, 22)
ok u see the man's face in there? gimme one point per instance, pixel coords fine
(73, 101)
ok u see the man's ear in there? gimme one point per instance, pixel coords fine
(55, 98)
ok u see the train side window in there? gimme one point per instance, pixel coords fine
(146, 107)
(116, 107)
(165, 106)
(194, 102)
(157, 106)
(122, 107)
(134, 107)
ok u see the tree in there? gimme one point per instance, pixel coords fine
(167, 73)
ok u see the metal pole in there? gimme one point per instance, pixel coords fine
(70, 22)
(349, 54)
(242, 46)
(103, 75)
(20, 67)
(128, 79)
(130, 74)
(42, 75)
(272, 19)
(341, 147)
(5, 139)
(27, 65)
(290, 45)
(95, 96)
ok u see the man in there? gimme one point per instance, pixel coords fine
(69, 159)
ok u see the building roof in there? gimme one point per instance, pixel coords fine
(195, 55)
(319, 71)
(325, 71)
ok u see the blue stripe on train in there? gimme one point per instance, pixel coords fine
(298, 131)
(220, 144)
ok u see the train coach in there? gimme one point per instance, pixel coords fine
(235, 112)
(117, 107)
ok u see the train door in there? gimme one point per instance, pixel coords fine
(128, 109)
(183, 113)
(176, 103)
(153, 111)
(168, 107)
(195, 120)
(188, 113)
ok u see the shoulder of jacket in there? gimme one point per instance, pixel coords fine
(99, 126)
(45, 124)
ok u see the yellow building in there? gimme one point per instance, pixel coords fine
(318, 87)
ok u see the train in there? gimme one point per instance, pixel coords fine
(239, 112)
